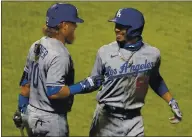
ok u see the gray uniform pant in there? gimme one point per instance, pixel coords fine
(106, 124)
(26, 125)
(45, 123)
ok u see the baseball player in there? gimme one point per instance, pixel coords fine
(129, 66)
(48, 78)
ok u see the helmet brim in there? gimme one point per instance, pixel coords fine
(117, 21)
(113, 20)
(78, 20)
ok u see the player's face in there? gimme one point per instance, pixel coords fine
(69, 32)
(120, 32)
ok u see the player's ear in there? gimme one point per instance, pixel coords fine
(64, 25)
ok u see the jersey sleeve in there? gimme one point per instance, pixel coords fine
(98, 68)
(25, 76)
(57, 71)
(156, 81)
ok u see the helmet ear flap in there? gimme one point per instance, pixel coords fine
(133, 33)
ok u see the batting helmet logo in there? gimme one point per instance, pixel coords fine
(54, 5)
(119, 13)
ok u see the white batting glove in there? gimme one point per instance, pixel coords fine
(176, 111)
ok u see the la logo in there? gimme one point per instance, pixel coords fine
(119, 13)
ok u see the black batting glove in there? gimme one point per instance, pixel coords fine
(17, 118)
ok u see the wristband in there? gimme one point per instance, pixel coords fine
(22, 102)
(74, 89)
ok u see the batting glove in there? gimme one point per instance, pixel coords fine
(17, 118)
(92, 83)
(176, 111)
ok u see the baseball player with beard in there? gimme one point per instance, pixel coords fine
(129, 66)
(47, 90)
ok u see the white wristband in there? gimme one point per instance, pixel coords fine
(90, 81)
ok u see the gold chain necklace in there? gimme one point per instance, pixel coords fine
(125, 59)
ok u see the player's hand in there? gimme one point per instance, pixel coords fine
(92, 82)
(176, 111)
(17, 118)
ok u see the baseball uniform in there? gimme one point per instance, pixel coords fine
(53, 68)
(126, 83)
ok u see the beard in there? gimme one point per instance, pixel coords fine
(68, 41)
(69, 38)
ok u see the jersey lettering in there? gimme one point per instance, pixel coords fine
(126, 69)
(35, 74)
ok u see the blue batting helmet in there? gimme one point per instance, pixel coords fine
(60, 12)
(132, 18)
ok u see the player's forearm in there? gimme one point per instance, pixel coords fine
(25, 90)
(62, 93)
(167, 96)
(24, 84)
(23, 98)
(65, 91)
(88, 85)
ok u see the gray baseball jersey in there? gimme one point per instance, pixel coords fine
(126, 74)
(53, 68)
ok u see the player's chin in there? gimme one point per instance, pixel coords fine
(120, 39)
